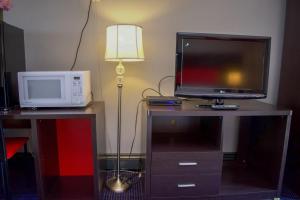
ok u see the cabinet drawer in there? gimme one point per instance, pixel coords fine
(191, 185)
(168, 163)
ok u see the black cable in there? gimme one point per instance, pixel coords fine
(161, 80)
(138, 106)
(133, 141)
(136, 117)
(137, 111)
(92, 96)
(145, 90)
(135, 126)
(81, 34)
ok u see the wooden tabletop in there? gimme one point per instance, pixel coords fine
(247, 108)
(51, 113)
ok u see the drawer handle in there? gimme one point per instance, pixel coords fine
(186, 185)
(187, 163)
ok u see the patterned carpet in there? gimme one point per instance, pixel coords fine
(289, 195)
(135, 192)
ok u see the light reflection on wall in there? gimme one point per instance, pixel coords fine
(133, 11)
(139, 12)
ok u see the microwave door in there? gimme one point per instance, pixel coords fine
(45, 90)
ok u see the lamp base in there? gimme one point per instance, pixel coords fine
(116, 185)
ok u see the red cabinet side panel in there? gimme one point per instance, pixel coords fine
(74, 137)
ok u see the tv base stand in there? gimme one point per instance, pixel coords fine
(219, 102)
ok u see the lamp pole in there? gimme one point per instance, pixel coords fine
(120, 87)
(115, 183)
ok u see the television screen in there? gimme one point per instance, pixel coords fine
(222, 66)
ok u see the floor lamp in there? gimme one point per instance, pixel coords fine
(123, 44)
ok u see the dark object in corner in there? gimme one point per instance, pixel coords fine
(289, 91)
(12, 60)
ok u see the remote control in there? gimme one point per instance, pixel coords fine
(225, 107)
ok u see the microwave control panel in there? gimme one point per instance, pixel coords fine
(77, 90)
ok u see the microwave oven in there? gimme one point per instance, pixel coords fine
(54, 89)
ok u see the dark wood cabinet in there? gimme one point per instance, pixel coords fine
(289, 90)
(185, 157)
(62, 162)
(17, 170)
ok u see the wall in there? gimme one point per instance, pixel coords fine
(52, 29)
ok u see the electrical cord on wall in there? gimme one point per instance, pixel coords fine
(135, 125)
(135, 133)
(161, 80)
(138, 106)
(147, 89)
(158, 92)
(139, 171)
(81, 35)
(136, 116)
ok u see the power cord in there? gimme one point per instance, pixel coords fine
(137, 111)
(140, 171)
(81, 34)
(80, 40)
(135, 125)
(147, 89)
(161, 80)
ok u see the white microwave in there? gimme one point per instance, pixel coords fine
(54, 89)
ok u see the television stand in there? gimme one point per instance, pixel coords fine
(185, 150)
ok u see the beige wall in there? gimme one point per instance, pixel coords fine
(52, 29)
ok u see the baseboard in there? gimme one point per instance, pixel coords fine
(135, 162)
(228, 156)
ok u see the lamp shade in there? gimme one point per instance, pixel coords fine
(124, 43)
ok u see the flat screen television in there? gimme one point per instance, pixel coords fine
(222, 66)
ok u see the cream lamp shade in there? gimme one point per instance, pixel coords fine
(124, 43)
